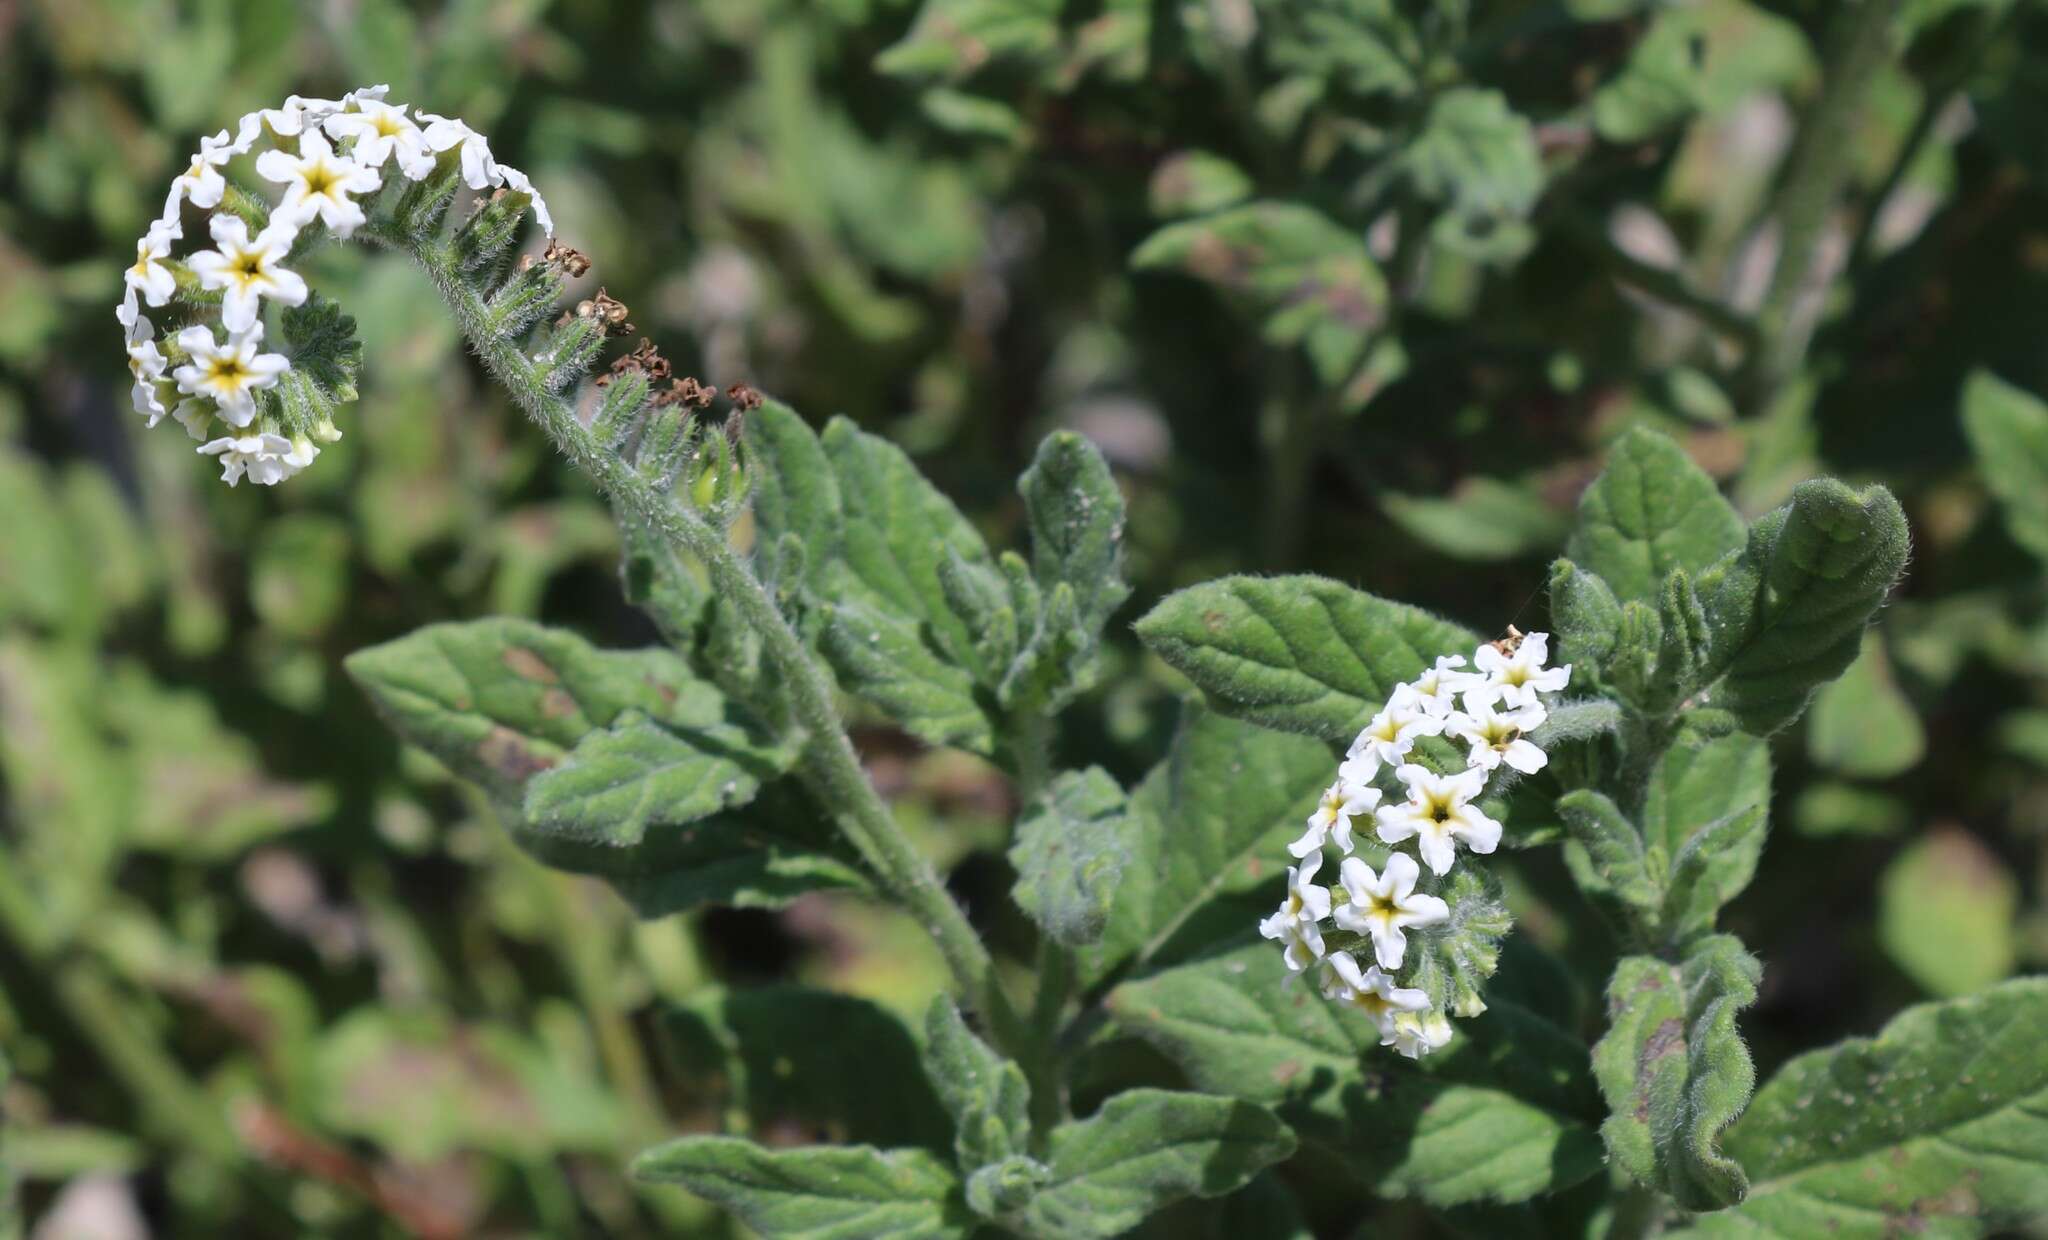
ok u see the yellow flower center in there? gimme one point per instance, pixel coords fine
(386, 127)
(320, 181)
(226, 372)
(1383, 907)
(1370, 1002)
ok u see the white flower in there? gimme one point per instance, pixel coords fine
(1372, 992)
(1382, 904)
(479, 170)
(1438, 813)
(291, 120)
(1437, 689)
(1392, 732)
(195, 414)
(265, 459)
(516, 180)
(149, 276)
(128, 312)
(381, 130)
(202, 183)
(1497, 736)
(1295, 923)
(1342, 801)
(1517, 678)
(248, 270)
(318, 184)
(1416, 1034)
(230, 373)
(146, 363)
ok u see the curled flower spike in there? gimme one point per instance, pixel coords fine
(245, 406)
(1491, 708)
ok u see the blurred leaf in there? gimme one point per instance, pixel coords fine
(1651, 511)
(2008, 429)
(1363, 46)
(299, 573)
(1945, 913)
(1497, 1115)
(1069, 854)
(817, 1193)
(1676, 1072)
(1309, 278)
(1482, 519)
(1300, 653)
(1477, 156)
(1825, 809)
(1145, 1149)
(1197, 183)
(1787, 615)
(2024, 734)
(954, 38)
(1940, 1119)
(1861, 724)
(1701, 58)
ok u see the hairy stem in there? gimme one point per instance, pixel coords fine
(830, 758)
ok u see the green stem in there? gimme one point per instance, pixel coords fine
(1292, 425)
(1819, 166)
(1042, 1069)
(1664, 284)
(1638, 1214)
(830, 758)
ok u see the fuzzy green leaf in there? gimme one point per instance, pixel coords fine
(1586, 617)
(878, 656)
(1938, 1126)
(1309, 278)
(1651, 511)
(1502, 1113)
(1787, 615)
(1211, 819)
(985, 1093)
(1143, 1150)
(620, 781)
(1613, 848)
(2008, 429)
(1076, 515)
(1303, 654)
(1676, 1072)
(818, 1192)
(1705, 812)
(794, 489)
(1069, 853)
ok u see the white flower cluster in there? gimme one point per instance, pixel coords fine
(1491, 709)
(328, 154)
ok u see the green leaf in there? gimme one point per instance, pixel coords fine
(1213, 818)
(1454, 958)
(1586, 617)
(1196, 183)
(1311, 279)
(879, 656)
(620, 781)
(503, 703)
(985, 1093)
(1069, 854)
(1705, 813)
(1945, 912)
(1499, 1114)
(2008, 429)
(1651, 511)
(1614, 850)
(1676, 1072)
(1482, 519)
(1304, 654)
(1699, 59)
(819, 1192)
(793, 487)
(1360, 46)
(1143, 1150)
(1076, 515)
(1787, 615)
(1938, 1126)
(1478, 157)
(1862, 725)
(756, 1054)
(955, 38)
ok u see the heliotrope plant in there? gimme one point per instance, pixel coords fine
(717, 769)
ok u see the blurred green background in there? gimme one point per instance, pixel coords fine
(1348, 286)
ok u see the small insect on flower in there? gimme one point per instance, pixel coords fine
(1439, 814)
(1295, 923)
(1514, 668)
(231, 373)
(1340, 803)
(317, 185)
(247, 270)
(1497, 736)
(1384, 904)
(1371, 991)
